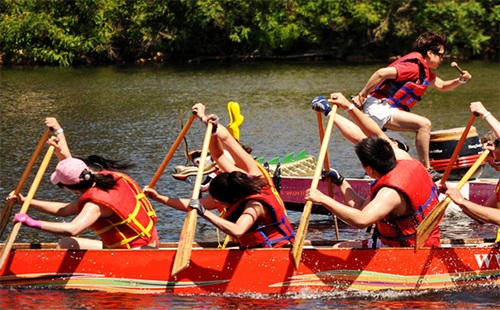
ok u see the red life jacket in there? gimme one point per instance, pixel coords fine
(270, 231)
(404, 95)
(132, 223)
(412, 179)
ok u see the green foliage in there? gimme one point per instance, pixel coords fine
(101, 31)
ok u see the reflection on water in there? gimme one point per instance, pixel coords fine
(133, 113)
(472, 297)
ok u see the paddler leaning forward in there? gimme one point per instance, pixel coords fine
(111, 204)
(251, 208)
(397, 203)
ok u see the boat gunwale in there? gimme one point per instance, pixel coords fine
(308, 244)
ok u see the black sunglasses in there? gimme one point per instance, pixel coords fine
(438, 53)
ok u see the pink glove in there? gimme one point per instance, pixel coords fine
(28, 221)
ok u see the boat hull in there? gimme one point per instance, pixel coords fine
(261, 271)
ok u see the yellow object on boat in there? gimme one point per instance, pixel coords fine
(236, 119)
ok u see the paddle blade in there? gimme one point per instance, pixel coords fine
(304, 221)
(5, 216)
(183, 254)
(184, 248)
(432, 220)
(300, 237)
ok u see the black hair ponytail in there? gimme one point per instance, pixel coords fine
(102, 181)
(230, 187)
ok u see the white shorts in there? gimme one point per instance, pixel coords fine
(379, 110)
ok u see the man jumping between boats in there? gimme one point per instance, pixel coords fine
(391, 92)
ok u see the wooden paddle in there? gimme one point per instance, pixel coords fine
(26, 204)
(455, 65)
(304, 221)
(327, 168)
(431, 221)
(458, 148)
(183, 254)
(7, 208)
(171, 151)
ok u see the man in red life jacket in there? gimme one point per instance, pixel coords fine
(391, 92)
(397, 204)
(490, 211)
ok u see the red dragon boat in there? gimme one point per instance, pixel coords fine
(323, 268)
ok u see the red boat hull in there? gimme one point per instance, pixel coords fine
(262, 271)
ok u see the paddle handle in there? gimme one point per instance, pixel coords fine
(32, 161)
(304, 221)
(183, 254)
(171, 152)
(324, 148)
(466, 177)
(327, 168)
(455, 65)
(7, 209)
(457, 150)
(473, 169)
(12, 237)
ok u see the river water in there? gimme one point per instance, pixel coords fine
(134, 112)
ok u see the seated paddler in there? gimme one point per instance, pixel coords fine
(397, 203)
(251, 210)
(111, 204)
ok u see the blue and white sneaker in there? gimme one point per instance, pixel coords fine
(321, 105)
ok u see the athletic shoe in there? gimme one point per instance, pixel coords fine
(321, 105)
(436, 176)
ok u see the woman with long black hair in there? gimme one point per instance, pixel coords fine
(252, 211)
(111, 203)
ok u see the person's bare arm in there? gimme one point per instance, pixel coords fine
(478, 108)
(89, 215)
(181, 204)
(483, 214)
(253, 209)
(448, 85)
(386, 201)
(376, 78)
(59, 142)
(222, 140)
(50, 207)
